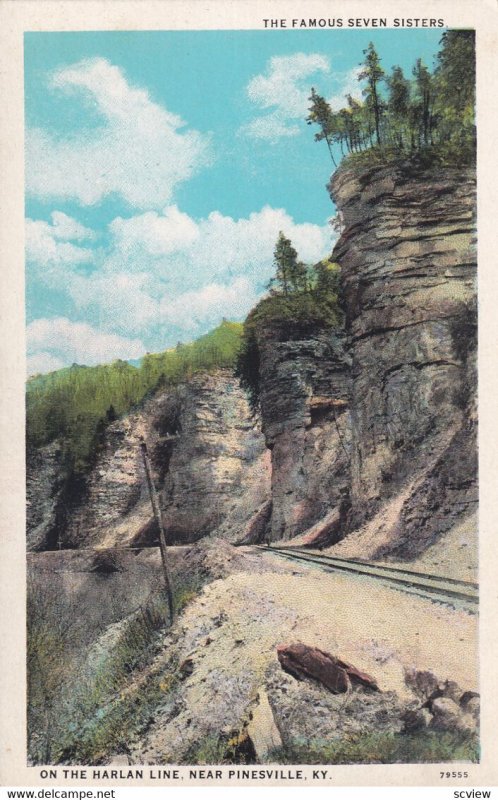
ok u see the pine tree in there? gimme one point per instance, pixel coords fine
(398, 105)
(373, 73)
(321, 114)
(285, 262)
(424, 98)
(454, 86)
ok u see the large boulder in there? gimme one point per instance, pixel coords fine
(336, 675)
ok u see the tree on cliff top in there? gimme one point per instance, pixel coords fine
(430, 117)
(398, 107)
(454, 106)
(373, 73)
(321, 114)
(302, 301)
(290, 274)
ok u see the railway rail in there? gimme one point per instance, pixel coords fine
(436, 587)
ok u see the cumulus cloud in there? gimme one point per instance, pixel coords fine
(284, 88)
(159, 234)
(52, 243)
(118, 301)
(282, 84)
(156, 260)
(53, 343)
(139, 152)
(202, 308)
(163, 275)
(178, 248)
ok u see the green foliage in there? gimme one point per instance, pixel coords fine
(320, 114)
(424, 747)
(298, 310)
(373, 73)
(454, 107)
(76, 404)
(290, 274)
(430, 115)
(209, 750)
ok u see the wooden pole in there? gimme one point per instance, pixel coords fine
(162, 538)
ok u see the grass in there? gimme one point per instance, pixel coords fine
(91, 707)
(424, 747)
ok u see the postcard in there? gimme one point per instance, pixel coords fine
(248, 434)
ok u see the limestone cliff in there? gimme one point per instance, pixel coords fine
(408, 271)
(209, 461)
(305, 389)
(44, 493)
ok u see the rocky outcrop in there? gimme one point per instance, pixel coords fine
(408, 271)
(305, 387)
(218, 471)
(44, 491)
(210, 464)
(442, 705)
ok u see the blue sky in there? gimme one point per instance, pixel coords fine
(160, 167)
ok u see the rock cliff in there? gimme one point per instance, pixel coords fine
(368, 431)
(44, 493)
(408, 271)
(305, 390)
(209, 461)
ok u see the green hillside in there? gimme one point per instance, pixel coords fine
(75, 404)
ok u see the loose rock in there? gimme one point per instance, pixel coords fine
(303, 661)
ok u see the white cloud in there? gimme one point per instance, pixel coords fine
(64, 227)
(159, 234)
(229, 247)
(285, 88)
(139, 152)
(271, 127)
(53, 343)
(345, 83)
(164, 274)
(50, 244)
(117, 301)
(43, 362)
(208, 305)
(283, 85)
(182, 253)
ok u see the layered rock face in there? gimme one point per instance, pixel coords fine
(305, 387)
(408, 271)
(370, 431)
(218, 468)
(209, 462)
(44, 489)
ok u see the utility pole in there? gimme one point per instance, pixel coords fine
(162, 538)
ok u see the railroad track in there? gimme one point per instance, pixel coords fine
(436, 587)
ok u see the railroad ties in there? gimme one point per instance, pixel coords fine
(436, 587)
